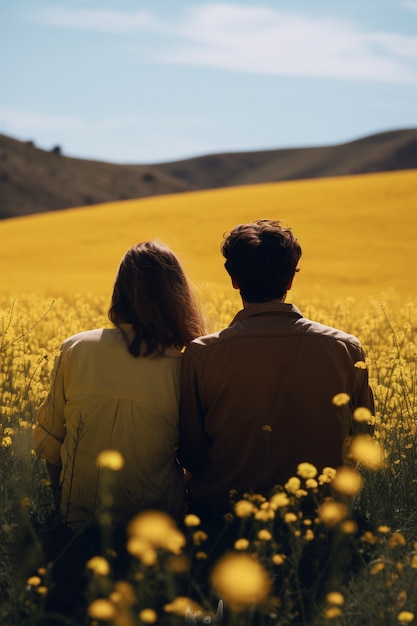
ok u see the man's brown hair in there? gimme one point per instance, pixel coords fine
(261, 257)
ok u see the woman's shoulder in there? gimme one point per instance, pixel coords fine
(86, 336)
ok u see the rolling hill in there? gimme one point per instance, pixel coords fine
(34, 180)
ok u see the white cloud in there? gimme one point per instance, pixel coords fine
(101, 20)
(260, 40)
(411, 5)
(269, 41)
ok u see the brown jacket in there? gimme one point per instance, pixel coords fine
(257, 401)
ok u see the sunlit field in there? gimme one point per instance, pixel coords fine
(358, 236)
(357, 273)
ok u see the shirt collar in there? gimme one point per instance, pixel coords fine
(272, 306)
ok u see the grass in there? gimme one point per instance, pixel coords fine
(372, 517)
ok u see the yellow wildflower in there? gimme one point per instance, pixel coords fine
(112, 459)
(148, 616)
(192, 520)
(279, 499)
(306, 470)
(336, 598)
(362, 414)
(405, 617)
(264, 535)
(290, 517)
(377, 567)
(99, 565)
(396, 539)
(278, 559)
(199, 536)
(241, 544)
(347, 481)
(180, 605)
(102, 610)
(332, 612)
(241, 581)
(293, 484)
(360, 365)
(367, 452)
(340, 399)
(34, 581)
(331, 513)
(244, 508)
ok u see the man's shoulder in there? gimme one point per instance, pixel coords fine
(327, 333)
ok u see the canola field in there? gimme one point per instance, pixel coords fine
(358, 236)
(357, 273)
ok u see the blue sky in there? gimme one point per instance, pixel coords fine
(149, 81)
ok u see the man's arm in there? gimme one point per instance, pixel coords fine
(194, 444)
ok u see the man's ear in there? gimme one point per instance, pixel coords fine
(234, 283)
(290, 284)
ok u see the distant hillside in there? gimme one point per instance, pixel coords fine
(34, 180)
(394, 150)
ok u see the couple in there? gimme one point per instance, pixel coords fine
(238, 409)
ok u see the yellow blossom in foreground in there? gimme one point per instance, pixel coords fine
(293, 484)
(148, 616)
(396, 539)
(347, 481)
(264, 515)
(199, 536)
(244, 508)
(384, 529)
(332, 612)
(336, 598)
(112, 459)
(102, 610)
(331, 513)
(278, 559)
(405, 617)
(279, 499)
(99, 565)
(306, 470)
(311, 483)
(240, 580)
(158, 530)
(264, 535)
(340, 399)
(180, 605)
(241, 544)
(327, 475)
(349, 527)
(360, 365)
(192, 520)
(377, 567)
(123, 594)
(367, 452)
(362, 414)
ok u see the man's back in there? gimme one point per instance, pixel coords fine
(257, 401)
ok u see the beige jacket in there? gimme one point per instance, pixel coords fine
(257, 401)
(103, 398)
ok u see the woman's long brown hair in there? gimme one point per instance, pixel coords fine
(151, 292)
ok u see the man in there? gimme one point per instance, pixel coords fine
(257, 396)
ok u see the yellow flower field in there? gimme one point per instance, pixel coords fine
(357, 273)
(358, 236)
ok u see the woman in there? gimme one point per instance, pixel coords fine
(118, 389)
